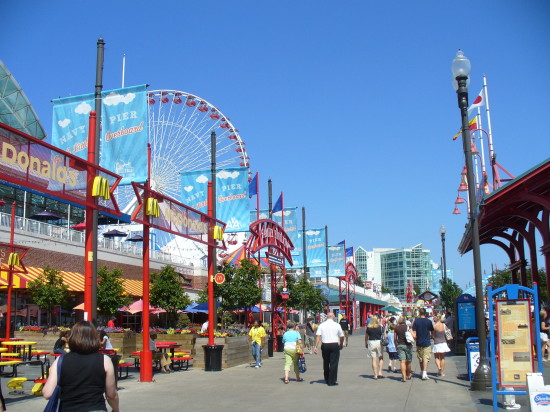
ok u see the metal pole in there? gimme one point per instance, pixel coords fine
(212, 250)
(304, 242)
(482, 376)
(10, 274)
(326, 252)
(98, 88)
(444, 256)
(89, 255)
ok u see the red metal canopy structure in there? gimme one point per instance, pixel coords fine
(511, 216)
(346, 288)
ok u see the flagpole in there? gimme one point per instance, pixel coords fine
(258, 197)
(480, 126)
(490, 133)
(326, 252)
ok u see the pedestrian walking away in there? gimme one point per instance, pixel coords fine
(293, 348)
(310, 335)
(344, 324)
(331, 337)
(404, 348)
(422, 331)
(440, 348)
(392, 349)
(256, 337)
(373, 336)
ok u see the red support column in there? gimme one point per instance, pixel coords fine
(211, 270)
(146, 369)
(88, 254)
(10, 274)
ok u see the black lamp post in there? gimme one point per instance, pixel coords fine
(461, 72)
(442, 231)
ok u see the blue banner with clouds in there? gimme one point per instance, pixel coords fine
(232, 204)
(336, 261)
(317, 271)
(124, 130)
(316, 247)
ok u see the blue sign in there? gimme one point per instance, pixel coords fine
(231, 195)
(466, 315)
(336, 260)
(124, 131)
(317, 271)
(542, 399)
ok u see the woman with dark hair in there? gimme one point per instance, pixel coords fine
(85, 374)
(105, 341)
(60, 343)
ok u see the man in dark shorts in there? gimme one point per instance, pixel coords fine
(422, 332)
(344, 323)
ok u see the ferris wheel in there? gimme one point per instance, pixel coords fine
(180, 127)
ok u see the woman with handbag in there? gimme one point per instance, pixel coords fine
(373, 337)
(293, 349)
(84, 376)
(404, 347)
(440, 347)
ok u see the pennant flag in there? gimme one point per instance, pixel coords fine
(349, 252)
(278, 205)
(253, 186)
(479, 101)
(343, 242)
(473, 126)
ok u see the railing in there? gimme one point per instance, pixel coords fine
(64, 233)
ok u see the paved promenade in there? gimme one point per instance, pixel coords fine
(244, 388)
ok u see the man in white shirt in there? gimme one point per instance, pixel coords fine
(330, 335)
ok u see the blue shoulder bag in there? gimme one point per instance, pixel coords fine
(55, 399)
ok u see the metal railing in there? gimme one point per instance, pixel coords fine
(67, 234)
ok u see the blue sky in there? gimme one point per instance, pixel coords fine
(347, 106)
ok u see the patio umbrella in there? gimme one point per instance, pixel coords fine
(203, 307)
(239, 254)
(80, 307)
(115, 233)
(79, 226)
(137, 307)
(45, 216)
(135, 238)
(390, 308)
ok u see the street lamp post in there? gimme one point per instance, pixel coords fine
(442, 230)
(461, 72)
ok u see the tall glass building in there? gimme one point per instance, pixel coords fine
(400, 265)
(361, 259)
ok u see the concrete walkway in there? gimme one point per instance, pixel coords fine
(244, 388)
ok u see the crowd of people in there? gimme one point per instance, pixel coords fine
(396, 336)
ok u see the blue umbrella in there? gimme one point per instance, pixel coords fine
(203, 307)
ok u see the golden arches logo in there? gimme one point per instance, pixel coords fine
(101, 188)
(153, 208)
(14, 260)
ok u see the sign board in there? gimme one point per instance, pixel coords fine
(275, 260)
(177, 218)
(539, 393)
(514, 342)
(466, 312)
(33, 164)
(219, 278)
(427, 296)
(267, 233)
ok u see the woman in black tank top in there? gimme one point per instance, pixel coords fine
(85, 374)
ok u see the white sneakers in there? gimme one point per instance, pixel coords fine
(425, 376)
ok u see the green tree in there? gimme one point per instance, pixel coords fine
(449, 292)
(167, 292)
(240, 289)
(504, 277)
(304, 296)
(110, 291)
(48, 290)
(385, 290)
(360, 282)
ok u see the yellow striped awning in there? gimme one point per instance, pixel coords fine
(74, 280)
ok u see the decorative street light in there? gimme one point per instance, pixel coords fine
(461, 80)
(442, 230)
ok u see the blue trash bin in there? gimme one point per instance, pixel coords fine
(472, 355)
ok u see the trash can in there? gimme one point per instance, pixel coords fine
(270, 347)
(116, 360)
(213, 358)
(472, 356)
(280, 345)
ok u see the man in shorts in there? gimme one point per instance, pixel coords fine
(422, 330)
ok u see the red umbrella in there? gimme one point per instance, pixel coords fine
(239, 254)
(79, 226)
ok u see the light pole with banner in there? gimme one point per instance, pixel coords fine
(461, 79)
(442, 231)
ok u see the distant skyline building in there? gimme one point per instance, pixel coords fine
(400, 265)
(361, 262)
